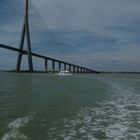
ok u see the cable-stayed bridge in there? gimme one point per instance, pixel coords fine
(25, 35)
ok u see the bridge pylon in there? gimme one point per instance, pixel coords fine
(25, 32)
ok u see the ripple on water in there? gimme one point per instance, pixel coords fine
(14, 129)
(117, 118)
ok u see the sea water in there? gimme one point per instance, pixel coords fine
(77, 107)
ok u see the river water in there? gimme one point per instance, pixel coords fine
(78, 107)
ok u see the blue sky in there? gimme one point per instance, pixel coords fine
(100, 34)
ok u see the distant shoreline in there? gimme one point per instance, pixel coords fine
(120, 72)
(100, 72)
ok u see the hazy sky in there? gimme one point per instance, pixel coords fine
(100, 34)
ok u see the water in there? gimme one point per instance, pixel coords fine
(78, 107)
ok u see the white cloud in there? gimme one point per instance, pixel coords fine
(87, 14)
(114, 21)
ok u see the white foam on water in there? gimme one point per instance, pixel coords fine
(113, 120)
(14, 135)
(14, 132)
(123, 117)
(20, 122)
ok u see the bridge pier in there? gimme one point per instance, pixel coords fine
(73, 69)
(65, 66)
(84, 70)
(46, 65)
(53, 66)
(81, 70)
(59, 66)
(89, 71)
(77, 69)
(25, 32)
(69, 67)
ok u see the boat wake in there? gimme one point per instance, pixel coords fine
(15, 129)
(116, 118)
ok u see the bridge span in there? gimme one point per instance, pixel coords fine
(62, 65)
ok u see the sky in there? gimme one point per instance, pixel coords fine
(100, 34)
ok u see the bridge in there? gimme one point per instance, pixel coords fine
(62, 65)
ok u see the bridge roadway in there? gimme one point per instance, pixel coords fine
(76, 68)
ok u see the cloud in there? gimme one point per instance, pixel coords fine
(104, 34)
(89, 14)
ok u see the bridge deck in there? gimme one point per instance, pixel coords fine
(44, 57)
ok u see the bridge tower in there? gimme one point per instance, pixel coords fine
(25, 32)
